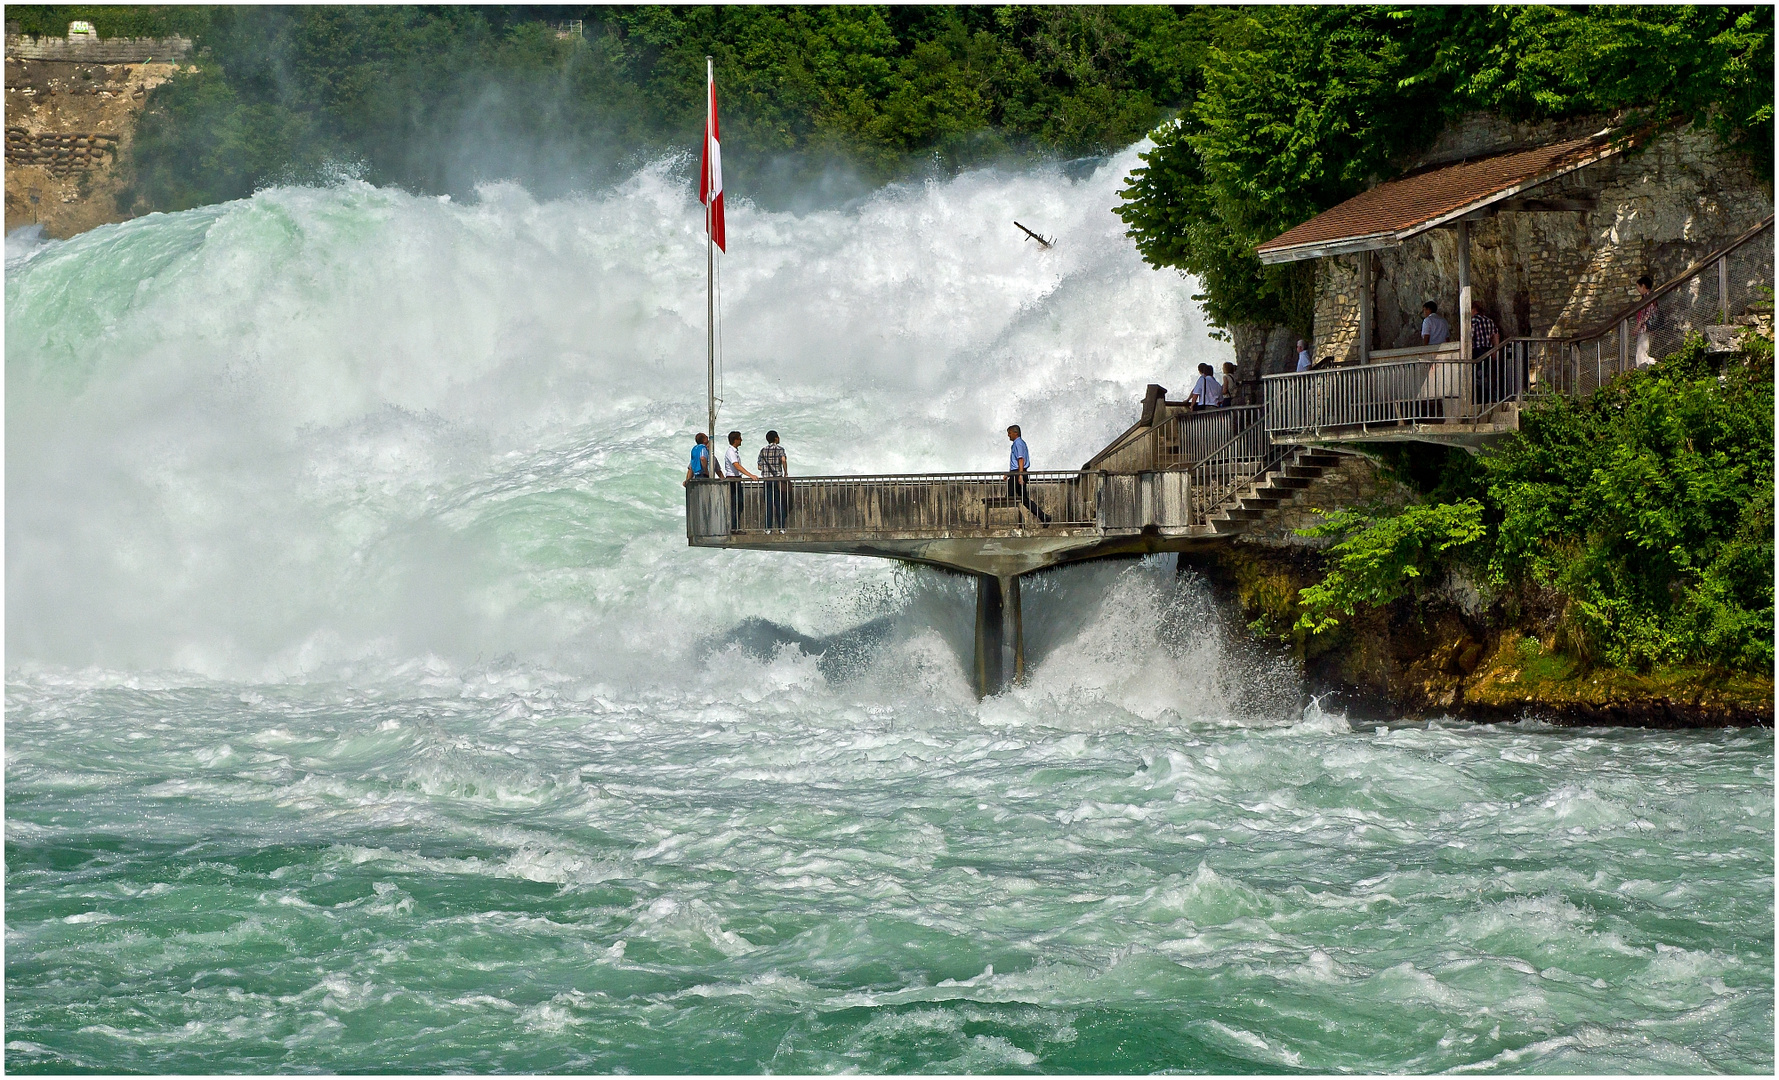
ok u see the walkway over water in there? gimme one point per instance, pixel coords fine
(1180, 478)
(1190, 479)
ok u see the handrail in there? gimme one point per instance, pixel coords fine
(1660, 291)
(839, 477)
(1217, 478)
(925, 504)
(1177, 441)
(1426, 392)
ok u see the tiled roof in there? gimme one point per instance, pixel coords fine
(1395, 210)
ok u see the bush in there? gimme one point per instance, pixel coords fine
(1650, 508)
(1647, 508)
(1383, 559)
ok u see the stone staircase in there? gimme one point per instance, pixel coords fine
(1277, 484)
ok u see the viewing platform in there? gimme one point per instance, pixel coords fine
(1176, 480)
(1181, 478)
(1432, 394)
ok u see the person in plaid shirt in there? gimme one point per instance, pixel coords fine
(1484, 334)
(774, 465)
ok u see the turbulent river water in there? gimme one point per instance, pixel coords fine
(367, 712)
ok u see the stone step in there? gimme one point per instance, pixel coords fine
(1239, 513)
(1287, 483)
(1258, 502)
(1319, 460)
(1306, 473)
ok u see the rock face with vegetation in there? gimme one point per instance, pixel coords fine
(1612, 562)
(1303, 107)
(69, 129)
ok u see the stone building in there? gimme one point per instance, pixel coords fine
(1556, 223)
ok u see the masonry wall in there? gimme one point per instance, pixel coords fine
(1354, 482)
(1657, 209)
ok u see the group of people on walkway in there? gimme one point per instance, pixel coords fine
(775, 468)
(1212, 391)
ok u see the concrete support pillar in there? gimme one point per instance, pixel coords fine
(1465, 345)
(998, 620)
(1010, 588)
(989, 635)
(1365, 306)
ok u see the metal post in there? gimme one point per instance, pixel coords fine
(1465, 345)
(710, 301)
(988, 635)
(1723, 287)
(1624, 345)
(1365, 307)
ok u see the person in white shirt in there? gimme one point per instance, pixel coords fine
(1207, 392)
(1303, 355)
(1434, 330)
(734, 470)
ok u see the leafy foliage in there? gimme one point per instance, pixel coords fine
(1382, 559)
(441, 98)
(1303, 107)
(1648, 508)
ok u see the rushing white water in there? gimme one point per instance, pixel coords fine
(367, 711)
(318, 427)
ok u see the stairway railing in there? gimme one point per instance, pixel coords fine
(1177, 442)
(1221, 476)
(1721, 290)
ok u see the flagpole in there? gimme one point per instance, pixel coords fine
(710, 275)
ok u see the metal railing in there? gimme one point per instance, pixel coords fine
(1717, 296)
(1722, 291)
(1228, 470)
(916, 505)
(1183, 439)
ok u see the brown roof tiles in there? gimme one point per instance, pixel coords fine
(1395, 210)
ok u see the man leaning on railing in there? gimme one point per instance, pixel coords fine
(733, 471)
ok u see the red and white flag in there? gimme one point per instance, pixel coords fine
(710, 182)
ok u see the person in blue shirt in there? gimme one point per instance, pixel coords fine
(1019, 460)
(699, 469)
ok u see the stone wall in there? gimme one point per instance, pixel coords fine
(1337, 309)
(85, 50)
(59, 152)
(1656, 209)
(1260, 349)
(1354, 482)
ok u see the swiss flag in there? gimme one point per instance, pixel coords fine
(710, 180)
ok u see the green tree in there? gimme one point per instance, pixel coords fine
(1303, 107)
